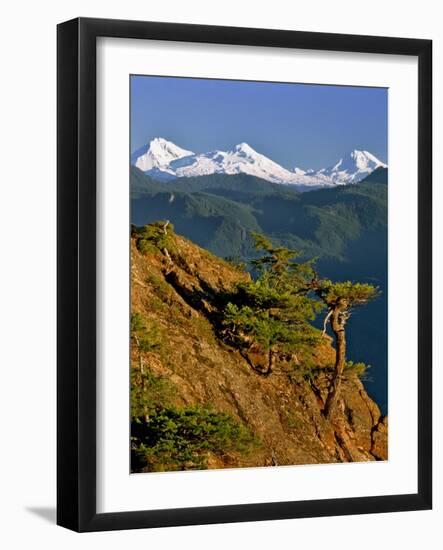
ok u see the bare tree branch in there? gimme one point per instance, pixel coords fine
(170, 262)
(140, 358)
(325, 322)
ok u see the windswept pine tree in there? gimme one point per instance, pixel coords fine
(340, 299)
(274, 310)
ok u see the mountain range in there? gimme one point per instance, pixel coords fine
(163, 160)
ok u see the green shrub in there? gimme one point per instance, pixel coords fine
(155, 236)
(181, 438)
(359, 369)
(162, 289)
(146, 337)
(149, 392)
(137, 322)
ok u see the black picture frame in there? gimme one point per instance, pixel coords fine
(76, 294)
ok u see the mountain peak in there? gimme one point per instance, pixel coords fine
(352, 167)
(244, 147)
(159, 140)
(158, 155)
(357, 154)
(161, 144)
(163, 159)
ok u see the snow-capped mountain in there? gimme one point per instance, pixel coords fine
(157, 156)
(163, 159)
(241, 159)
(351, 168)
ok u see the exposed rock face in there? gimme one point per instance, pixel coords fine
(283, 410)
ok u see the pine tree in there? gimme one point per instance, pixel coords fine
(144, 337)
(340, 299)
(273, 310)
(143, 383)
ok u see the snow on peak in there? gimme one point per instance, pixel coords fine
(158, 155)
(351, 168)
(245, 148)
(163, 159)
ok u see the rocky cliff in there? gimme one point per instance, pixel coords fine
(176, 290)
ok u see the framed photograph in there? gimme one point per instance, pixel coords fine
(244, 274)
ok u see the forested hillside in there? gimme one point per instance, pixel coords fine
(229, 371)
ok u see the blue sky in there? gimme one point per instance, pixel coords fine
(310, 126)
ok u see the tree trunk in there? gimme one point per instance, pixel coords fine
(142, 374)
(338, 328)
(271, 362)
(140, 358)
